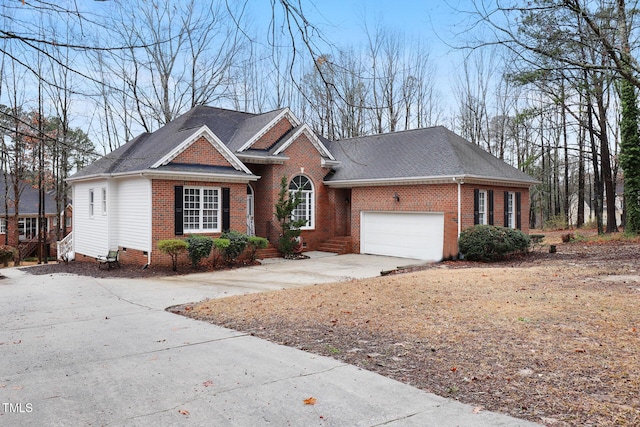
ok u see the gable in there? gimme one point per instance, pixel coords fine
(309, 136)
(201, 152)
(273, 135)
(273, 131)
(302, 149)
(202, 134)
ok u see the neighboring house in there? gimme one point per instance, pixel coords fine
(405, 194)
(27, 221)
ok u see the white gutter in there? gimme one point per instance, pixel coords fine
(196, 176)
(470, 179)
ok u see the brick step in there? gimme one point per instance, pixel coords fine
(338, 245)
(269, 252)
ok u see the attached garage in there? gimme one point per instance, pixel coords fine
(418, 235)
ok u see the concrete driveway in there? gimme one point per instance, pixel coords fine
(82, 351)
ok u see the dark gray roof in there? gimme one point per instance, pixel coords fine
(421, 153)
(29, 197)
(145, 150)
(250, 128)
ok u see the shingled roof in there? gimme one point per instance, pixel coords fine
(422, 154)
(408, 156)
(29, 199)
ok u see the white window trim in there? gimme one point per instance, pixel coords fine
(92, 200)
(511, 197)
(482, 207)
(104, 201)
(308, 197)
(3, 226)
(200, 229)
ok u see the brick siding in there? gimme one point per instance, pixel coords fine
(201, 152)
(273, 135)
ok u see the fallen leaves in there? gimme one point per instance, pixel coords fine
(207, 383)
(310, 401)
(183, 412)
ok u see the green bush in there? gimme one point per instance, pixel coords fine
(237, 244)
(7, 253)
(491, 243)
(173, 247)
(256, 243)
(220, 246)
(199, 247)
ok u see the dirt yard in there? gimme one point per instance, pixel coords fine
(552, 338)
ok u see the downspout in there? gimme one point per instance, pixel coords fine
(459, 181)
(150, 213)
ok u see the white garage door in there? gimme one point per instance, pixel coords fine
(418, 235)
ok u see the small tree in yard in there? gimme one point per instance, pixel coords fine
(198, 248)
(173, 248)
(491, 243)
(287, 203)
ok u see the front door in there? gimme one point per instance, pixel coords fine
(251, 229)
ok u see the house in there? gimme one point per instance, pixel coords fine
(406, 194)
(26, 223)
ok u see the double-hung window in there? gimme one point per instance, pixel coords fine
(482, 207)
(91, 202)
(201, 209)
(302, 185)
(104, 201)
(509, 211)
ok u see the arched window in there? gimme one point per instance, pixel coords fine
(305, 209)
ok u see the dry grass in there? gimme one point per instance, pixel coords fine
(553, 339)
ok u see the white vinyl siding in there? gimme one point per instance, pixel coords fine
(131, 201)
(90, 234)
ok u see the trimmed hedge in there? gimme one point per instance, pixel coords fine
(491, 243)
(199, 247)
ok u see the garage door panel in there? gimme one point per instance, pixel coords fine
(416, 235)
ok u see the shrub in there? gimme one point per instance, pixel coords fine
(220, 246)
(199, 247)
(7, 253)
(237, 244)
(256, 243)
(491, 243)
(172, 247)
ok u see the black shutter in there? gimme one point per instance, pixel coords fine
(490, 203)
(506, 208)
(226, 211)
(178, 214)
(476, 207)
(519, 210)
